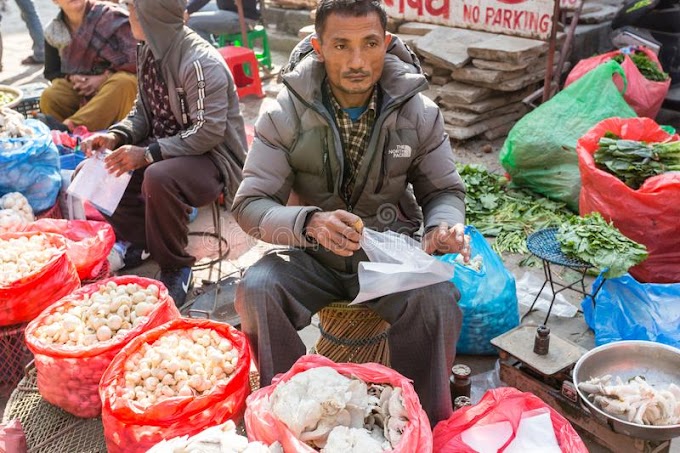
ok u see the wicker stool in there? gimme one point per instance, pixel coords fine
(352, 333)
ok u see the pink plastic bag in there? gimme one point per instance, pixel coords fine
(12, 437)
(498, 405)
(263, 426)
(643, 95)
(88, 243)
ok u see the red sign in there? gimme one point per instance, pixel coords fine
(528, 18)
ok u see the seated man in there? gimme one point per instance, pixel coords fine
(348, 134)
(208, 18)
(90, 58)
(185, 139)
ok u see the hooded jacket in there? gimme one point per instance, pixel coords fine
(201, 90)
(297, 147)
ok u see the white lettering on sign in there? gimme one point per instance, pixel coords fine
(528, 18)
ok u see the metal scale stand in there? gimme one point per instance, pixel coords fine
(549, 378)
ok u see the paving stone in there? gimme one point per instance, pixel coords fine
(503, 65)
(467, 118)
(500, 131)
(440, 80)
(448, 47)
(458, 92)
(507, 48)
(472, 74)
(416, 28)
(490, 103)
(466, 132)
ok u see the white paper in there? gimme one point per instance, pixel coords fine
(535, 434)
(397, 264)
(487, 438)
(96, 185)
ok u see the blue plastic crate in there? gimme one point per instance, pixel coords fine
(71, 161)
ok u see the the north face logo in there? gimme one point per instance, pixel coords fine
(400, 151)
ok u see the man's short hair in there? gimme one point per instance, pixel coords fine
(352, 8)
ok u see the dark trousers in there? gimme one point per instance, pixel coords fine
(279, 294)
(154, 211)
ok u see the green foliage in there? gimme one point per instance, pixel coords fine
(648, 68)
(597, 242)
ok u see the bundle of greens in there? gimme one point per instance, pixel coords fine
(633, 162)
(508, 214)
(597, 242)
(648, 68)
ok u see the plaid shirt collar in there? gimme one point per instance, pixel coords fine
(342, 117)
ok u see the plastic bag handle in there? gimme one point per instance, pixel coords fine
(616, 68)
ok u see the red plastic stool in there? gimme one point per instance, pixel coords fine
(236, 58)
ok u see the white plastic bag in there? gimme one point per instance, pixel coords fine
(96, 185)
(398, 263)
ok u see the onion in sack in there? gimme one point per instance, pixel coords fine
(75, 339)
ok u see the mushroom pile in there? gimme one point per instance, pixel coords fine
(15, 212)
(186, 364)
(23, 256)
(112, 311)
(333, 413)
(217, 439)
(12, 124)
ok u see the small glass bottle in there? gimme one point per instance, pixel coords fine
(459, 382)
(542, 340)
(461, 401)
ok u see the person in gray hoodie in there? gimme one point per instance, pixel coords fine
(350, 135)
(184, 139)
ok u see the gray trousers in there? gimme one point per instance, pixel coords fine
(279, 294)
(154, 211)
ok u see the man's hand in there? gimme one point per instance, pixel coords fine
(186, 17)
(87, 85)
(124, 159)
(445, 239)
(95, 142)
(338, 231)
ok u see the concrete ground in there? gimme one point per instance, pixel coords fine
(244, 250)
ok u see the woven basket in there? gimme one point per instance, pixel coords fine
(48, 428)
(352, 333)
(14, 355)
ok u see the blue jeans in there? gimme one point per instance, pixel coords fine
(35, 29)
(210, 20)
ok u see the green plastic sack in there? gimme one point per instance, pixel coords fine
(540, 151)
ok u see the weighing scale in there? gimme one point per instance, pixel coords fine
(549, 378)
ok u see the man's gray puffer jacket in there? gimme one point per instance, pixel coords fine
(297, 148)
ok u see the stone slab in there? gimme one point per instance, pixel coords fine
(448, 47)
(503, 65)
(464, 133)
(440, 80)
(306, 31)
(507, 48)
(427, 68)
(490, 103)
(500, 131)
(467, 118)
(517, 83)
(417, 28)
(473, 75)
(409, 40)
(603, 14)
(457, 92)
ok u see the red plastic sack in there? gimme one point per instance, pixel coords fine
(263, 426)
(497, 405)
(22, 300)
(12, 437)
(643, 95)
(68, 376)
(649, 215)
(88, 243)
(130, 429)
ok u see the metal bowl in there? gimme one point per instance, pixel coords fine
(16, 92)
(658, 363)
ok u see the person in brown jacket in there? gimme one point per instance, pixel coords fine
(350, 135)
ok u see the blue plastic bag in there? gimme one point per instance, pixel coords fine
(488, 297)
(30, 165)
(626, 309)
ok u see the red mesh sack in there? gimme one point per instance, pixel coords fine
(648, 215)
(131, 428)
(643, 95)
(261, 425)
(68, 376)
(23, 299)
(88, 243)
(498, 405)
